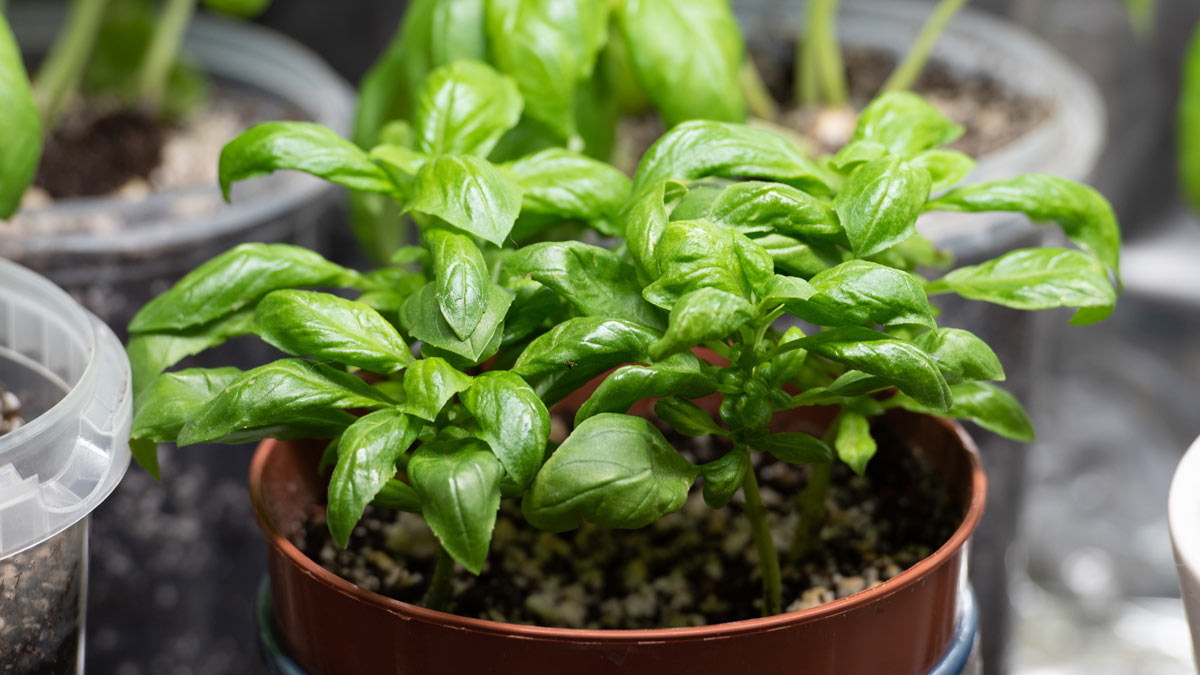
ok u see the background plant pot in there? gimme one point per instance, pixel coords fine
(1183, 512)
(134, 249)
(72, 378)
(1067, 143)
(331, 626)
(175, 564)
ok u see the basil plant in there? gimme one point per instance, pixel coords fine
(726, 229)
(731, 229)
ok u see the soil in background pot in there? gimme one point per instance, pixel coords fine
(99, 150)
(692, 568)
(92, 154)
(992, 115)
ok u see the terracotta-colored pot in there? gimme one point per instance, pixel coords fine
(329, 625)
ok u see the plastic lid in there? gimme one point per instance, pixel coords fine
(62, 360)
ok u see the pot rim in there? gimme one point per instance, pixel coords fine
(905, 579)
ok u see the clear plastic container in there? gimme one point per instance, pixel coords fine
(72, 378)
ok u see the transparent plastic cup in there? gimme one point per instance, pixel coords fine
(72, 377)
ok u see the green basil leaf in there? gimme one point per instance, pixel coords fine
(697, 254)
(276, 395)
(169, 402)
(464, 108)
(300, 146)
(912, 253)
(880, 202)
(561, 183)
(961, 355)
(984, 404)
(469, 193)
(795, 448)
(905, 365)
(686, 417)
(699, 82)
(1084, 214)
(152, 353)
(596, 281)
(853, 441)
(857, 292)
(400, 162)
(536, 309)
(433, 33)
(579, 349)
(20, 126)
(513, 421)
(946, 167)
(307, 323)
(614, 471)
(723, 477)
(783, 367)
(398, 495)
(549, 46)
(700, 148)
(757, 208)
(236, 279)
(678, 375)
(905, 124)
(460, 278)
(644, 226)
(700, 316)
(1034, 278)
(855, 153)
(459, 488)
(366, 461)
(429, 384)
(1188, 125)
(785, 289)
(792, 256)
(850, 384)
(422, 318)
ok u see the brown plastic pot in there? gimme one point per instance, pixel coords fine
(328, 625)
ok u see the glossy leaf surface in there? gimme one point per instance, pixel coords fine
(614, 471)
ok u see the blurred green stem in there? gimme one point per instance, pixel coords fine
(820, 74)
(162, 53)
(906, 74)
(59, 76)
(758, 98)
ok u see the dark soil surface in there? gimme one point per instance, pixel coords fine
(90, 155)
(694, 567)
